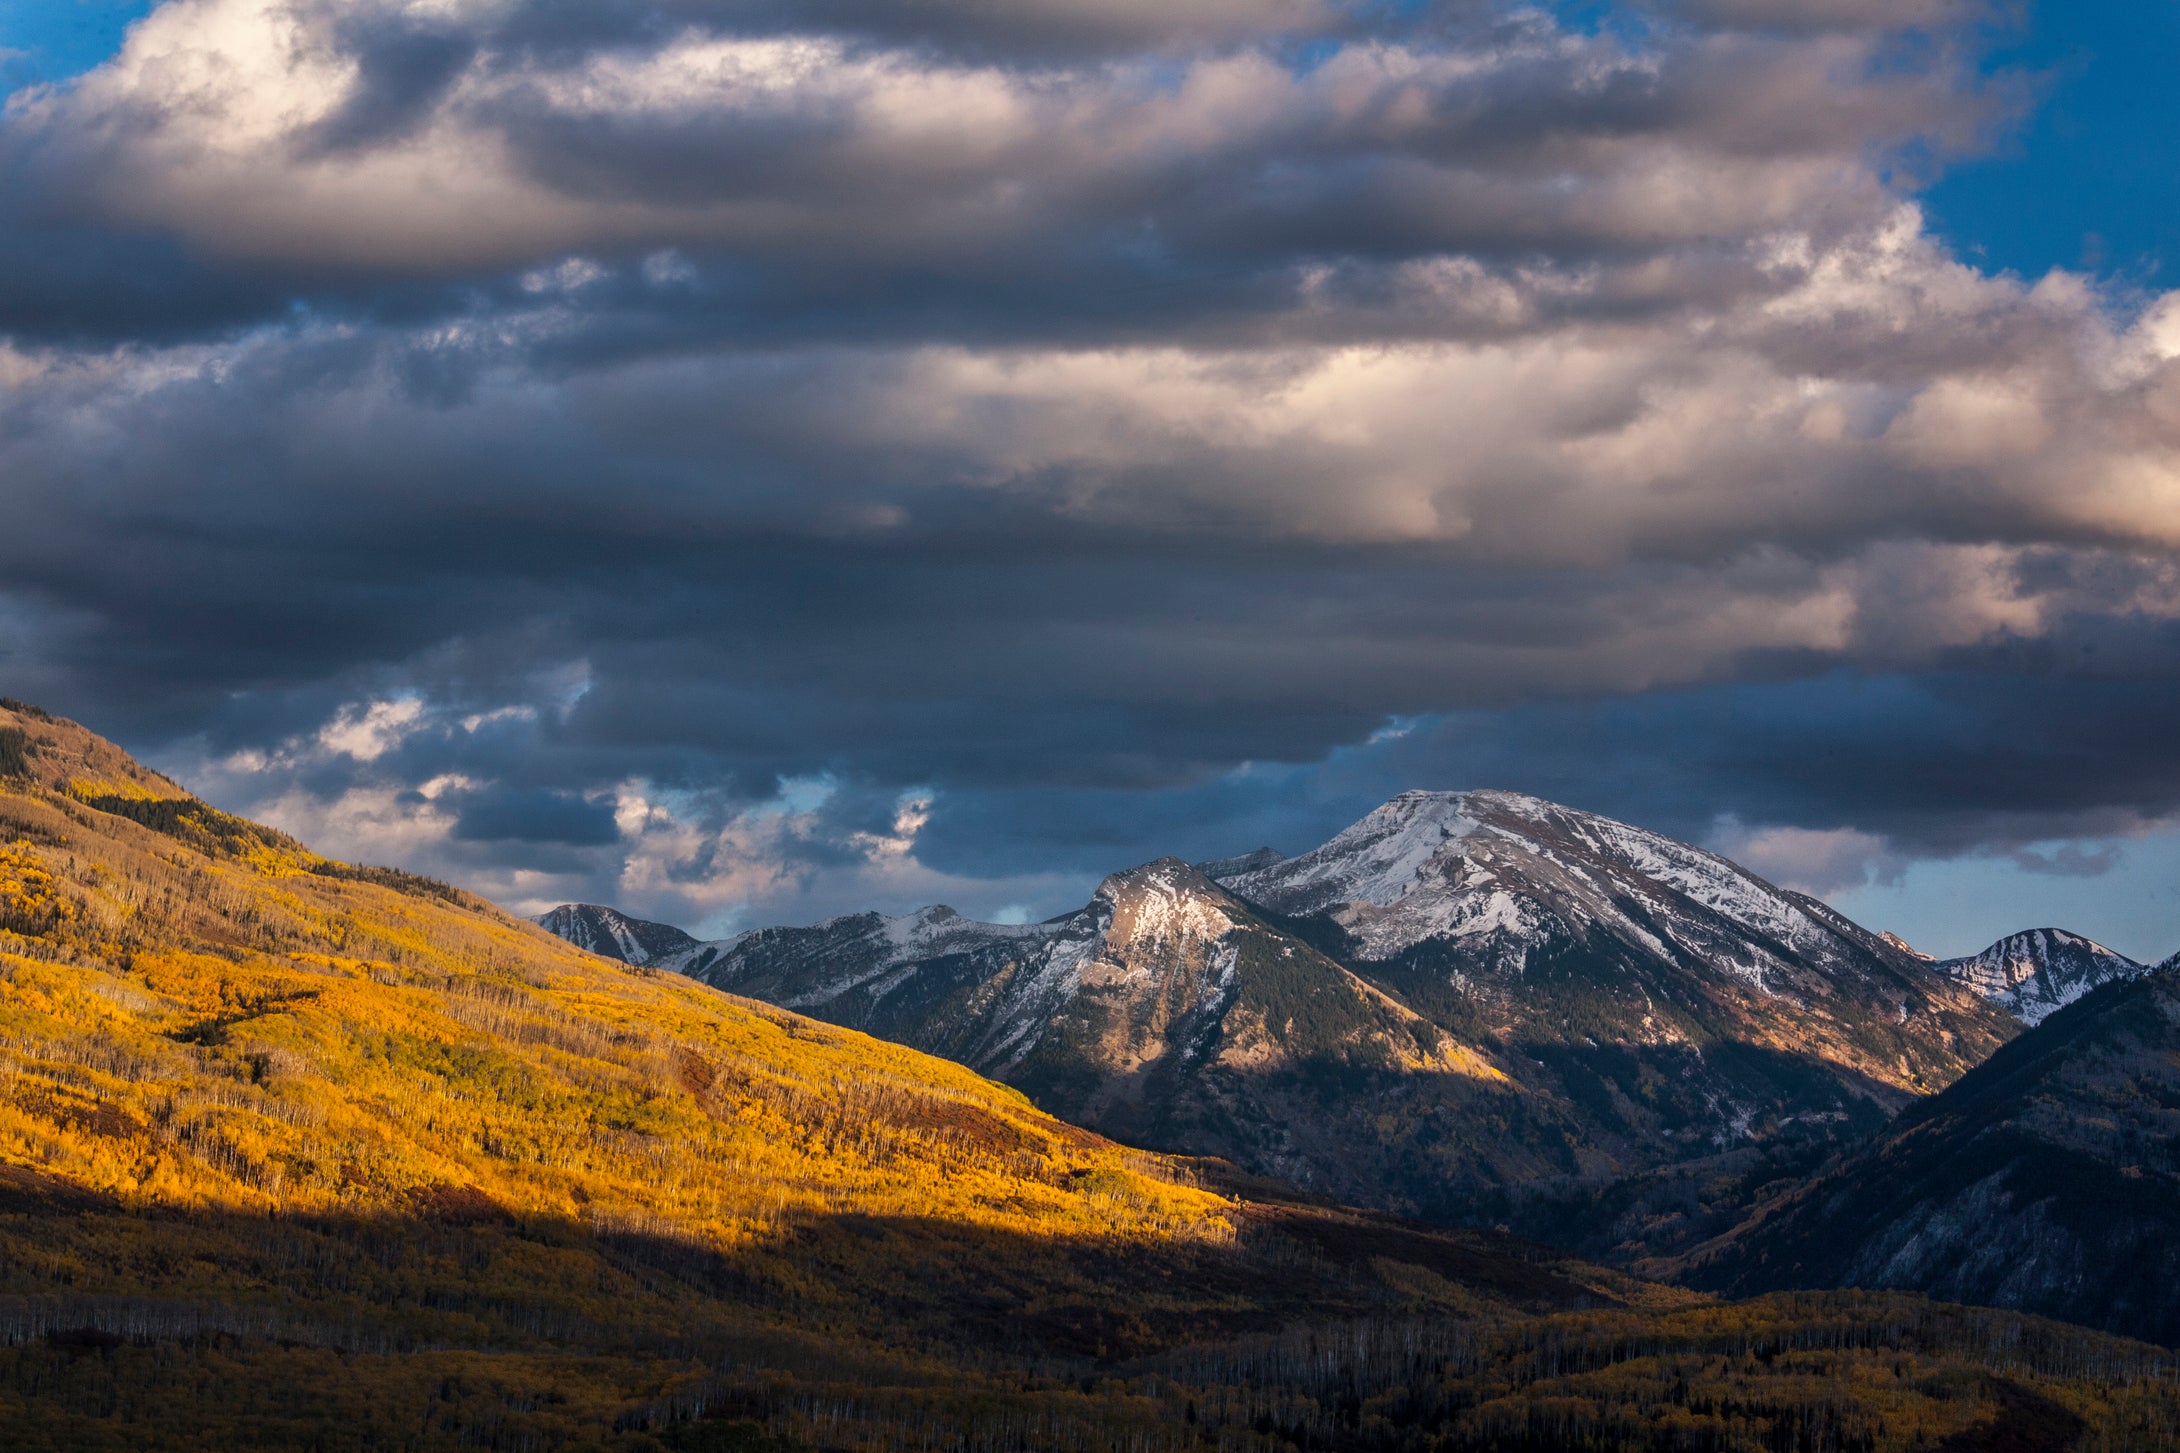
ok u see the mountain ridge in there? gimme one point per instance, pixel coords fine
(297, 1153)
(1637, 1001)
(2043, 1180)
(2035, 972)
(612, 934)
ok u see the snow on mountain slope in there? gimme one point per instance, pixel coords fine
(859, 952)
(1507, 875)
(1154, 945)
(2031, 974)
(1220, 870)
(1456, 996)
(613, 934)
(1550, 927)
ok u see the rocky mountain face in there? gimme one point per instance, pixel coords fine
(2047, 1179)
(1458, 996)
(1650, 976)
(612, 934)
(1165, 1010)
(2031, 974)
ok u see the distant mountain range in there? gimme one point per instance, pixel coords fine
(1460, 995)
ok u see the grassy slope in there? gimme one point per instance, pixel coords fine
(299, 1155)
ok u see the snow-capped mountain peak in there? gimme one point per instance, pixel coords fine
(2031, 974)
(1380, 860)
(1165, 902)
(614, 934)
(1510, 874)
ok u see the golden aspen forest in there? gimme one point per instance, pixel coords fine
(295, 1154)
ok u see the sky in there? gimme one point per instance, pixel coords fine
(745, 462)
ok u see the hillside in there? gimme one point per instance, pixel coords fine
(301, 1155)
(1478, 1008)
(2047, 1179)
(254, 1094)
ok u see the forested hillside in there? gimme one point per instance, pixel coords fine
(296, 1154)
(2047, 1179)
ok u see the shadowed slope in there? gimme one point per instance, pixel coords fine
(2047, 1179)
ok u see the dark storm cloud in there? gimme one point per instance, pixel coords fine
(1933, 764)
(493, 816)
(760, 459)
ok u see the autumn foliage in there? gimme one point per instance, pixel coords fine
(300, 1154)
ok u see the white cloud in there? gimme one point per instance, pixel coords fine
(368, 731)
(1815, 861)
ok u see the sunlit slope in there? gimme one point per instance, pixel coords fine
(298, 1154)
(202, 1012)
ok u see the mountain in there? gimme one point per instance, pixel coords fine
(1905, 947)
(296, 1153)
(1165, 1012)
(613, 934)
(2031, 974)
(1220, 870)
(1710, 1032)
(271, 1122)
(2046, 1179)
(1458, 996)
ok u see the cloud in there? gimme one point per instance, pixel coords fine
(536, 816)
(1810, 860)
(2070, 860)
(537, 443)
(847, 171)
(368, 731)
